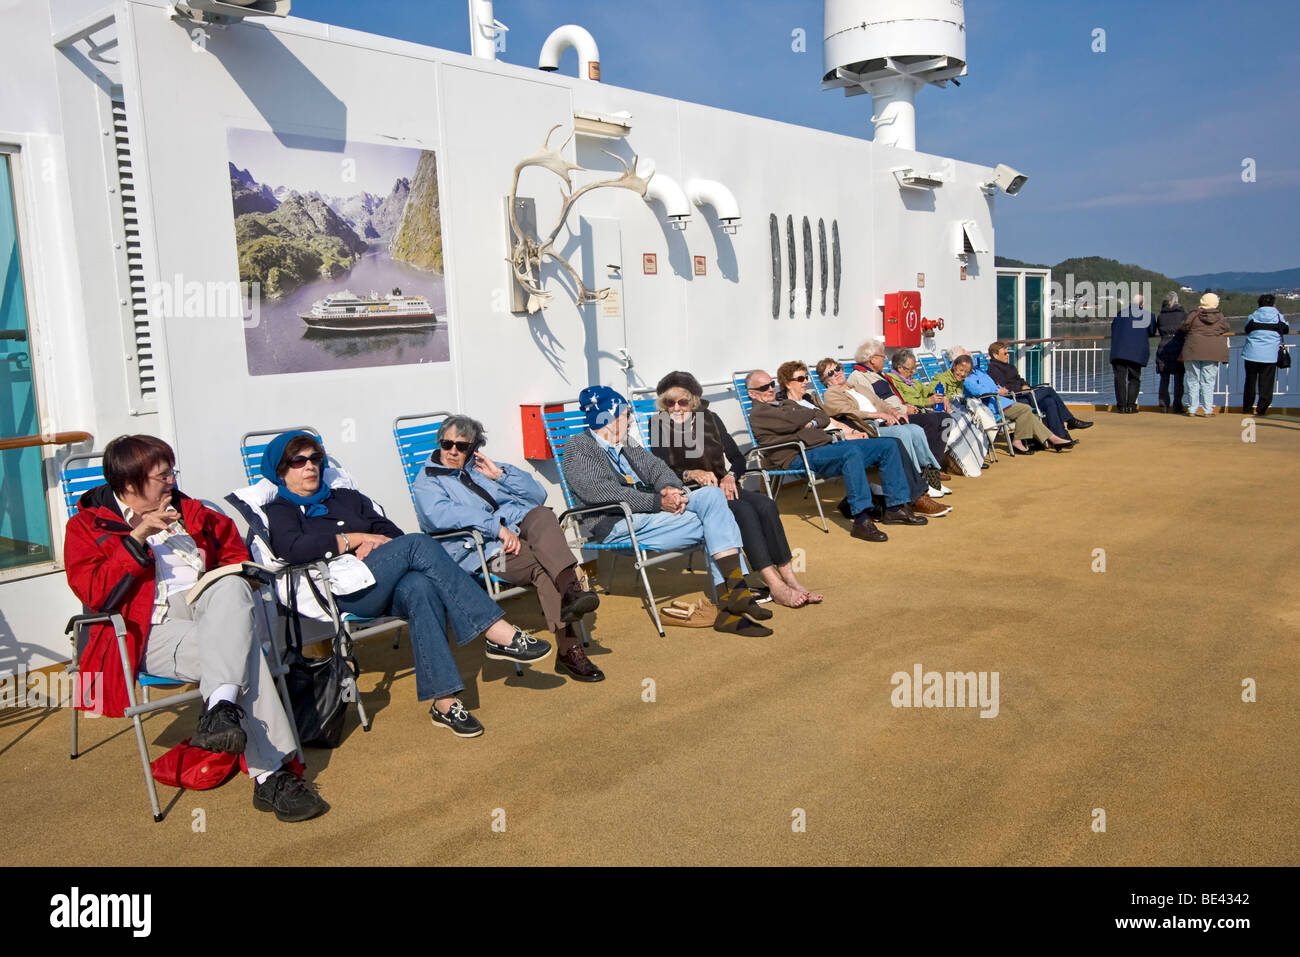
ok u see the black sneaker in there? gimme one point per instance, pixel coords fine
(220, 729)
(523, 647)
(289, 796)
(458, 719)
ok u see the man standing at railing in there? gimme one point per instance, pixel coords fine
(1130, 350)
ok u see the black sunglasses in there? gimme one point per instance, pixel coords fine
(300, 461)
(462, 447)
(764, 388)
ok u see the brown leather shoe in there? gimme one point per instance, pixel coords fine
(868, 532)
(577, 602)
(928, 506)
(574, 662)
(945, 477)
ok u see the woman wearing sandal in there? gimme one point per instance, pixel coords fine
(694, 443)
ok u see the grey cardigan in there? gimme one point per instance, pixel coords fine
(593, 480)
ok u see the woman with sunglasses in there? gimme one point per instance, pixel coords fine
(460, 487)
(414, 577)
(693, 442)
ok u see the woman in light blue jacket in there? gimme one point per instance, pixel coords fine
(460, 487)
(1264, 331)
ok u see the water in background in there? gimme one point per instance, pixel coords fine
(281, 341)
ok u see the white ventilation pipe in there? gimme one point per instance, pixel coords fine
(483, 29)
(708, 192)
(666, 190)
(571, 35)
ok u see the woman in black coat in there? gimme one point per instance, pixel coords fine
(695, 444)
(1168, 324)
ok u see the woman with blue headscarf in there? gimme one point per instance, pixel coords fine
(414, 578)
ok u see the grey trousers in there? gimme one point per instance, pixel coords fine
(1027, 424)
(217, 641)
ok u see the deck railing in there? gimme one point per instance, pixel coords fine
(1079, 369)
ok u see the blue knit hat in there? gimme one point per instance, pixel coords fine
(601, 404)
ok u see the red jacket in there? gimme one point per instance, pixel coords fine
(109, 571)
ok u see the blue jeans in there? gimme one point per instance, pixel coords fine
(707, 519)
(851, 459)
(415, 579)
(914, 444)
(1200, 384)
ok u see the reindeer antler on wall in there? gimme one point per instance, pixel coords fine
(526, 253)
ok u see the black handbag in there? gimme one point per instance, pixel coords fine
(1283, 357)
(319, 688)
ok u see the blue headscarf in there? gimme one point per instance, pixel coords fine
(271, 458)
(601, 404)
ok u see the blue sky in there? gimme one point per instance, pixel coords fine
(1135, 153)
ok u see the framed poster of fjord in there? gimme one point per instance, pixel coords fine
(340, 253)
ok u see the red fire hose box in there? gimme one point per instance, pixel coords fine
(903, 319)
(534, 429)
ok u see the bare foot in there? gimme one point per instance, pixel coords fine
(814, 598)
(787, 596)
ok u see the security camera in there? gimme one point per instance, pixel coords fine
(1006, 179)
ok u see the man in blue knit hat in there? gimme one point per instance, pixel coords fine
(601, 467)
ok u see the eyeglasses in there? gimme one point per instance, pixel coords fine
(462, 447)
(299, 461)
(834, 370)
(171, 475)
(678, 403)
(799, 378)
(763, 388)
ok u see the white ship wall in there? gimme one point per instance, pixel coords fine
(481, 117)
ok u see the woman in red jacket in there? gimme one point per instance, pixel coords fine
(136, 545)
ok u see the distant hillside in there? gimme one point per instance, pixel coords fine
(300, 240)
(1284, 280)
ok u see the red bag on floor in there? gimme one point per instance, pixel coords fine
(194, 769)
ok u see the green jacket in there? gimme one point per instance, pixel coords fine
(917, 394)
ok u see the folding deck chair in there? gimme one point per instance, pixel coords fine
(79, 474)
(416, 437)
(560, 427)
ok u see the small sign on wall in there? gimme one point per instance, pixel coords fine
(650, 264)
(963, 273)
(700, 267)
(611, 307)
(920, 280)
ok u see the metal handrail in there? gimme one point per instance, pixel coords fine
(32, 441)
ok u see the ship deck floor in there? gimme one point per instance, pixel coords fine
(1119, 690)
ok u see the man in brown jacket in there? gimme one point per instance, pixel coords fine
(800, 439)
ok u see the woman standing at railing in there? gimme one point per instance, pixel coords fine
(1169, 324)
(1264, 331)
(1205, 348)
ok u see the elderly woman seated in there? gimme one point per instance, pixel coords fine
(601, 467)
(1058, 415)
(413, 577)
(692, 440)
(964, 379)
(952, 440)
(136, 546)
(460, 487)
(850, 407)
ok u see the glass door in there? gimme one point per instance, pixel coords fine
(24, 516)
(1033, 370)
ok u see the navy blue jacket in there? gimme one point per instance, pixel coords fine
(1130, 336)
(297, 538)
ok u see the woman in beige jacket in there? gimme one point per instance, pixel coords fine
(1205, 347)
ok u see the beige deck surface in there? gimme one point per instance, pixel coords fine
(1119, 690)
